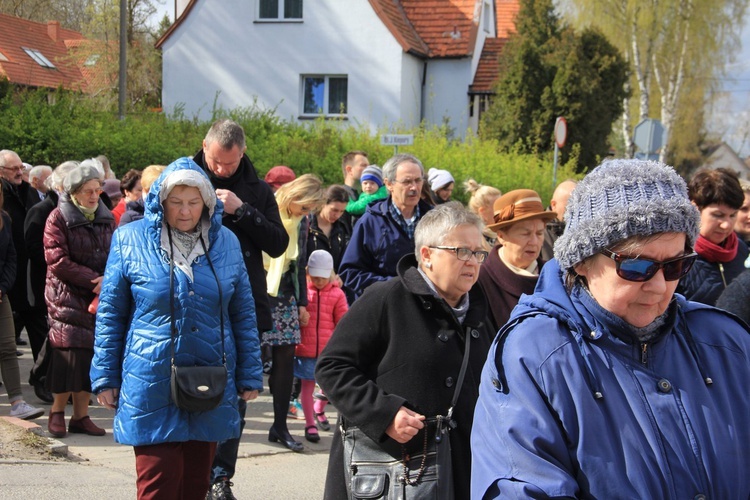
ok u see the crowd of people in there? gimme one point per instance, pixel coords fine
(587, 348)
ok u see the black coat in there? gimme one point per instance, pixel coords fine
(705, 281)
(7, 257)
(335, 245)
(33, 234)
(397, 346)
(259, 229)
(18, 199)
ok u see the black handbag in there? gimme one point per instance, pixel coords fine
(196, 388)
(376, 470)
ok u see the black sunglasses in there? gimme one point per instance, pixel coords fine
(640, 269)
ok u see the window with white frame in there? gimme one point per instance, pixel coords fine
(324, 94)
(279, 10)
(39, 58)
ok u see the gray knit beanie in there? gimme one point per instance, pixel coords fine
(80, 176)
(620, 199)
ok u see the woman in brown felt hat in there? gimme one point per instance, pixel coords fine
(513, 265)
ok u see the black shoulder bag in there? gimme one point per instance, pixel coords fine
(372, 472)
(196, 388)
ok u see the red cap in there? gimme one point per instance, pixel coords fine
(279, 175)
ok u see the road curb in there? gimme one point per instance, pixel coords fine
(54, 446)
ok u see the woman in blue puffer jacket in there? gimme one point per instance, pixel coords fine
(605, 383)
(131, 369)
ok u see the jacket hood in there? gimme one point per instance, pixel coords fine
(187, 172)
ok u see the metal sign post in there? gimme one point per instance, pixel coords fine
(561, 133)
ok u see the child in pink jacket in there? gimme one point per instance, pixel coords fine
(326, 305)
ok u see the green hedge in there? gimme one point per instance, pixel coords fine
(49, 128)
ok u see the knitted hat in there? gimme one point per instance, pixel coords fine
(438, 178)
(518, 205)
(372, 173)
(279, 175)
(112, 188)
(620, 199)
(320, 264)
(80, 176)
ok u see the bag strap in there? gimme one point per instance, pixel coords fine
(462, 373)
(173, 328)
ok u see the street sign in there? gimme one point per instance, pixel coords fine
(396, 140)
(561, 131)
(648, 137)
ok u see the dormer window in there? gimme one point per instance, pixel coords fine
(39, 58)
(92, 59)
(280, 10)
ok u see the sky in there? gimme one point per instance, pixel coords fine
(728, 118)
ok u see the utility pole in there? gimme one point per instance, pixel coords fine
(123, 57)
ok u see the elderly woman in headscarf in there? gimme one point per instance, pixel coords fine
(605, 383)
(513, 266)
(395, 357)
(177, 268)
(77, 235)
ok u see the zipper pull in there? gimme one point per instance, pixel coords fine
(644, 353)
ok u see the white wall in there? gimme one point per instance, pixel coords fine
(219, 48)
(447, 95)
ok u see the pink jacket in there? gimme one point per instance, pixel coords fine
(326, 307)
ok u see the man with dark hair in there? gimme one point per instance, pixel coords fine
(352, 165)
(251, 213)
(19, 197)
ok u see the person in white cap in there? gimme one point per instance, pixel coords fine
(441, 184)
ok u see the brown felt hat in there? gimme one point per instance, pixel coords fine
(518, 205)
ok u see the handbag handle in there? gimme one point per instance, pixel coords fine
(173, 330)
(462, 373)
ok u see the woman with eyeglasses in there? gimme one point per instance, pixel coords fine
(721, 253)
(395, 357)
(605, 383)
(77, 236)
(513, 266)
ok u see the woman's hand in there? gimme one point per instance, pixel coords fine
(108, 398)
(405, 425)
(249, 395)
(304, 316)
(98, 282)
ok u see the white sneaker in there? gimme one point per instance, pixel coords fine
(25, 411)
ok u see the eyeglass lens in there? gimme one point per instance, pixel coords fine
(644, 270)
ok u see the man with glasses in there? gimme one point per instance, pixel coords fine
(385, 233)
(251, 213)
(18, 198)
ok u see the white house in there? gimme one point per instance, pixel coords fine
(372, 62)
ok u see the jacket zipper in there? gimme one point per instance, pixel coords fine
(317, 328)
(644, 353)
(721, 270)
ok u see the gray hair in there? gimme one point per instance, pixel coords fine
(390, 166)
(437, 224)
(55, 181)
(39, 170)
(4, 155)
(227, 134)
(94, 163)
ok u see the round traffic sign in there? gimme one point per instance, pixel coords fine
(561, 131)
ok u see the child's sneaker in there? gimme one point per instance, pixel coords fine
(295, 410)
(25, 411)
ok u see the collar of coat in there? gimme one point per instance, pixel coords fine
(415, 283)
(74, 218)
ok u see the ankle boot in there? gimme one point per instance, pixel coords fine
(56, 424)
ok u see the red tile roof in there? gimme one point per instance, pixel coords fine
(488, 68)
(506, 11)
(47, 38)
(448, 27)
(393, 16)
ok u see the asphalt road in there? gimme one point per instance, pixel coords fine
(100, 468)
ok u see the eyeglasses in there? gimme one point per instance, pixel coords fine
(463, 253)
(410, 182)
(14, 169)
(639, 269)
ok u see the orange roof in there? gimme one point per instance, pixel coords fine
(506, 11)
(48, 39)
(394, 17)
(488, 68)
(448, 27)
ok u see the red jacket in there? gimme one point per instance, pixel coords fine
(76, 252)
(326, 307)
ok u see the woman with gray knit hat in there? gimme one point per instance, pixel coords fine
(605, 383)
(76, 244)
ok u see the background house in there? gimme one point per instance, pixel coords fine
(44, 55)
(721, 155)
(374, 62)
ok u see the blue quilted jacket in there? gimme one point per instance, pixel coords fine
(571, 405)
(132, 341)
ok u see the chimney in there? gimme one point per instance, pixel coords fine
(53, 29)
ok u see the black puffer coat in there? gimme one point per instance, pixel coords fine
(76, 252)
(397, 346)
(706, 280)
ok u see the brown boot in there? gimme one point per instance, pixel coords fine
(56, 424)
(85, 426)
